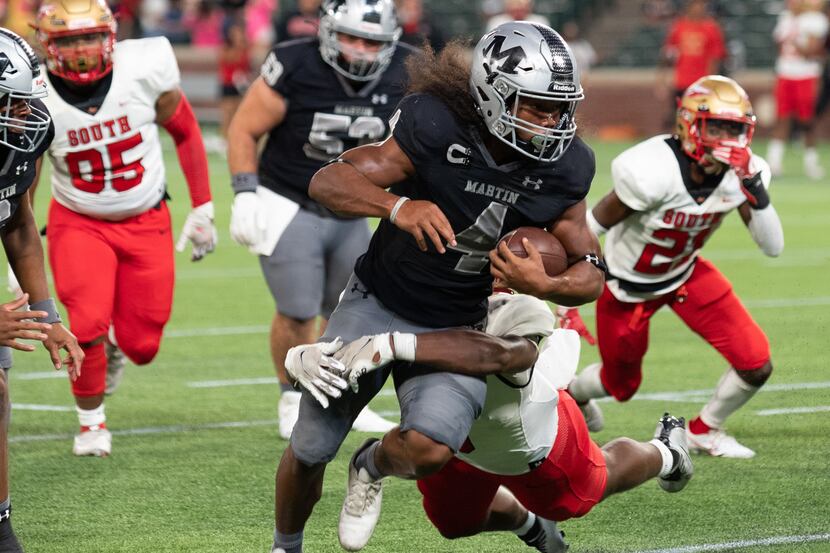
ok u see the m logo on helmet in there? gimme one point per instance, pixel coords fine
(512, 57)
(6, 67)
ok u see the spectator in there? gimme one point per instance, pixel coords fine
(516, 10)
(418, 27)
(800, 33)
(299, 23)
(206, 25)
(694, 47)
(259, 26)
(234, 72)
(657, 12)
(824, 95)
(584, 53)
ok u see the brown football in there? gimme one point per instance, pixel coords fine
(553, 253)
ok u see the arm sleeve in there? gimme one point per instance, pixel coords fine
(766, 230)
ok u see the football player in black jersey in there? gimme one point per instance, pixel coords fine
(315, 98)
(475, 152)
(25, 133)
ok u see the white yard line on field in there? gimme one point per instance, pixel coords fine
(743, 544)
(693, 396)
(793, 410)
(37, 407)
(175, 429)
(38, 375)
(233, 382)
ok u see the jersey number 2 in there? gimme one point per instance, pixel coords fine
(679, 238)
(104, 167)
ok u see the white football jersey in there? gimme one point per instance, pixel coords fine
(792, 32)
(656, 247)
(519, 422)
(109, 164)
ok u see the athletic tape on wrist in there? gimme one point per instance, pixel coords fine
(244, 182)
(51, 309)
(405, 345)
(394, 213)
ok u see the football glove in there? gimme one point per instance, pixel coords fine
(370, 353)
(248, 219)
(200, 231)
(738, 157)
(311, 366)
(568, 317)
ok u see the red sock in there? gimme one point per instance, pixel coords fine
(93, 377)
(697, 426)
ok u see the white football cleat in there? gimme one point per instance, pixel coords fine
(814, 171)
(96, 442)
(116, 362)
(361, 507)
(369, 421)
(718, 443)
(593, 415)
(288, 410)
(672, 432)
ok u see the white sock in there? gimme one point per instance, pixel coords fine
(91, 417)
(665, 453)
(528, 524)
(775, 153)
(810, 157)
(587, 384)
(730, 395)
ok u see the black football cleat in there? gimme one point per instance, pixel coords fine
(672, 432)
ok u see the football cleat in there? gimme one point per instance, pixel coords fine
(672, 432)
(369, 421)
(116, 362)
(592, 413)
(361, 508)
(9, 544)
(288, 410)
(718, 443)
(95, 442)
(545, 536)
(814, 171)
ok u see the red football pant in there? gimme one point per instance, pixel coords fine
(706, 303)
(117, 274)
(568, 483)
(796, 98)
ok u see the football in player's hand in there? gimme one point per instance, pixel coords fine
(554, 257)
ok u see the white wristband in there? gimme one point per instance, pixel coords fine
(405, 344)
(394, 213)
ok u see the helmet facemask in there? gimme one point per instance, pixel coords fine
(22, 125)
(356, 18)
(83, 57)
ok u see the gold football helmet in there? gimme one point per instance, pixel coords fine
(709, 102)
(78, 37)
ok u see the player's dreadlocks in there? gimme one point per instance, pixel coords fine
(447, 77)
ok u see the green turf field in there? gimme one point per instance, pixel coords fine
(192, 468)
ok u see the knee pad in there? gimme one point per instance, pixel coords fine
(756, 377)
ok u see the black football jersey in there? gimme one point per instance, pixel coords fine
(17, 171)
(483, 201)
(325, 116)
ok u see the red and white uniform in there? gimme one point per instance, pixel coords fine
(110, 241)
(653, 260)
(796, 88)
(530, 437)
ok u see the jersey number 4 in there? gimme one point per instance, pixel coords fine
(476, 241)
(331, 132)
(92, 170)
(674, 252)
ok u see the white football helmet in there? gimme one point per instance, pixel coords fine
(369, 19)
(20, 79)
(521, 60)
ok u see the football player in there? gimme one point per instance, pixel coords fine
(315, 98)
(109, 206)
(475, 152)
(670, 194)
(25, 133)
(530, 438)
(800, 33)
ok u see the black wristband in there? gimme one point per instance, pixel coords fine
(51, 309)
(244, 182)
(596, 261)
(757, 195)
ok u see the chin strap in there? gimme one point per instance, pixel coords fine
(184, 128)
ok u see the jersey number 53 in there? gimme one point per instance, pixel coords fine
(91, 170)
(331, 133)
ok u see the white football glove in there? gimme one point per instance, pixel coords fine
(370, 353)
(311, 366)
(13, 285)
(200, 231)
(248, 219)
